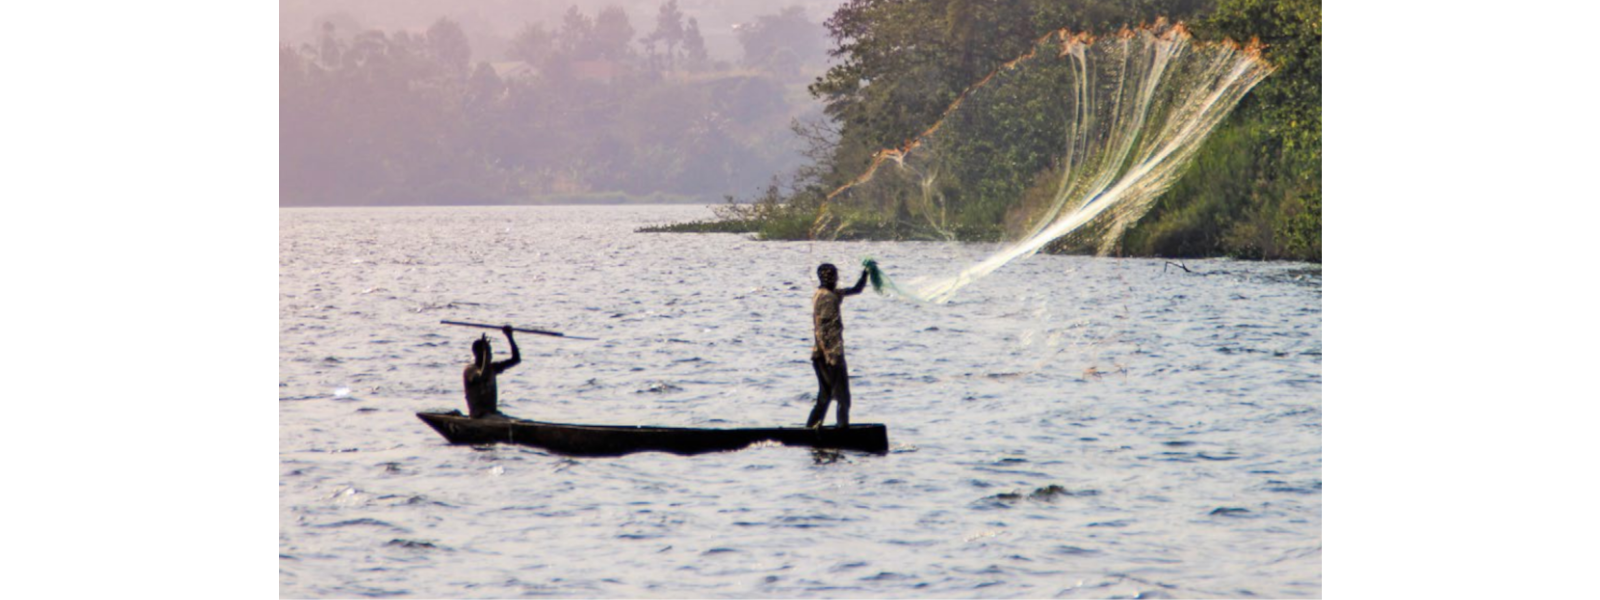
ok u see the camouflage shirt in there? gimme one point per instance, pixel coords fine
(828, 324)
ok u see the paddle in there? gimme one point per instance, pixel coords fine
(520, 330)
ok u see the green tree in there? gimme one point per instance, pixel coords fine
(613, 34)
(576, 36)
(781, 43)
(1255, 190)
(449, 44)
(900, 64)
(695, 56)
(668, 31)
(532, 44)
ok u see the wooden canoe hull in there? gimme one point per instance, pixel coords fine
(616, 440)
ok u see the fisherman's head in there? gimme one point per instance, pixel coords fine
(828, 275)
(480, 349)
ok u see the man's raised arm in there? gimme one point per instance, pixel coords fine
(861, 284)
(516, 355)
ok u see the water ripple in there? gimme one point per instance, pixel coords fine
(1066, 416)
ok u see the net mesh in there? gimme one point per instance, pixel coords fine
(1078, 138)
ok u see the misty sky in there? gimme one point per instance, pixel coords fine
(489, 23)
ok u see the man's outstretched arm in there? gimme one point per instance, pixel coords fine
(861, 284)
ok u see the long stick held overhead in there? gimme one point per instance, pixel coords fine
(521, 330)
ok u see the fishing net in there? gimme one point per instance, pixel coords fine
(883, 284)
(1073, 141)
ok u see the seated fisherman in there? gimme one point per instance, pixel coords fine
(479, 379)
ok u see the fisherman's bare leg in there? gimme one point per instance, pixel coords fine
(824, 392)
(841, 392)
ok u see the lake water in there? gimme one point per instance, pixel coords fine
(1068, 427)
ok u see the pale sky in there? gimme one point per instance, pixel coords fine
(486, 20)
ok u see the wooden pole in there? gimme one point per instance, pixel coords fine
(520, 330)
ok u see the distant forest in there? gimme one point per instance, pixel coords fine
(593, 107)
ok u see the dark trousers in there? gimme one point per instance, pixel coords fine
(833, 383)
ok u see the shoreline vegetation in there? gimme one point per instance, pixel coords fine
(1253, 191)
(586, 199)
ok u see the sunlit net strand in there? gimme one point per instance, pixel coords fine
(1130, 198)
(1123, 144)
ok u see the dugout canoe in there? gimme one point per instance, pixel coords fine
(616, 440)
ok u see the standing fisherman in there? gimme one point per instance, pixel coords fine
(483, 396)
(827, 354)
